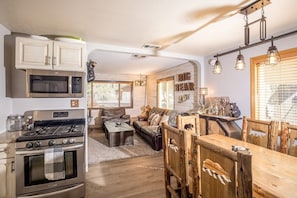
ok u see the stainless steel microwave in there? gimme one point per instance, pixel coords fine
(44, 83)
(54, 84)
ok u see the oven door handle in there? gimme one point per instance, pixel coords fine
(52, 193)
(28, 152)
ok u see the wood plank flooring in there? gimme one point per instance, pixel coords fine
(139, 177)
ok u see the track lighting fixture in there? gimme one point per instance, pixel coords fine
(272, 57)
(246, 31)
(240, 64)
(263, 26)
(217, 68)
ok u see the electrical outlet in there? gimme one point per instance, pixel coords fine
(74, 103)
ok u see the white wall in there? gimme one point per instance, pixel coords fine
(5, 103)
(236, 84)
(20, 105)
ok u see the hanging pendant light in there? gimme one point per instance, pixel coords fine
(272, 56)
(140, 82)
(240, 64)
(217, 68)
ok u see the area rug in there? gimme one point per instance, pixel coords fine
(99, 151)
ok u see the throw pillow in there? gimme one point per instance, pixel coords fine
(155, 121)
(164, 118)
(150, 118)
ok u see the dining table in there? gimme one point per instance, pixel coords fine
(274, 174)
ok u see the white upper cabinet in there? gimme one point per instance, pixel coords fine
(48, 54)
(68, 56)
(31, 53)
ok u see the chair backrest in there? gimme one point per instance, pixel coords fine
(259, 132)
(174, 161)
(288, 139)
(191, 126)
(220, 173)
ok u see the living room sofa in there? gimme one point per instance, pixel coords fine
(115, 114)
(150, 129)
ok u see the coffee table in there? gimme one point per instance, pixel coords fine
(118, 133)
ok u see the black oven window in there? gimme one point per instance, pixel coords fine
(34, 168)
(48, 84)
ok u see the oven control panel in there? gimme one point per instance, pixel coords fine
(49, 143)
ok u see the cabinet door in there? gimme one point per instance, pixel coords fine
(7, 175)
(33, 53)
(69, 56)
(214, 128)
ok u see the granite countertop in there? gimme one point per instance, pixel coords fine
(9, 137)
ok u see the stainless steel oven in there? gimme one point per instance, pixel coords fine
(64, 132)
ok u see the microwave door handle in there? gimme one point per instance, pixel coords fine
(53, 193)
(42, 151)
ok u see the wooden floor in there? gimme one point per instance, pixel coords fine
(134, 177)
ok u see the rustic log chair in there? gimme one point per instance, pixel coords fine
(220, 173)
(174, 161)
(259, 132)
(288, 138)
(191, 124)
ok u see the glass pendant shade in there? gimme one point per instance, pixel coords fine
(272, 57)
(217, 68)
(240, 64)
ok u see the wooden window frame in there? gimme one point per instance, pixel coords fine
(162, 80)
(112, 82)
(285, 54)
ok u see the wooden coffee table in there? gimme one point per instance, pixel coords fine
(118, 133)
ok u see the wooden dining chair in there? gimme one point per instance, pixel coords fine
(174, 161)
(220, 173)
(288, 139)
(259, 132)
(191, 126)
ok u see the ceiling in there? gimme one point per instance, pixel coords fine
(194, 28)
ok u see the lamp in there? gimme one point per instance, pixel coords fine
(217, 68)
(240, 64)
(203, 91)
(140, 82)
(272, 57)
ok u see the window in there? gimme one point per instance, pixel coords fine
(110, 94)
(166, 93)
(274, 88)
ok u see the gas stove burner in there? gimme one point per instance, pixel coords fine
(53, 130)
(55, 124)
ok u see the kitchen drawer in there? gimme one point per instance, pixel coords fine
(7, 150)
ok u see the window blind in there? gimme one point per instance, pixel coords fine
(275, 89)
